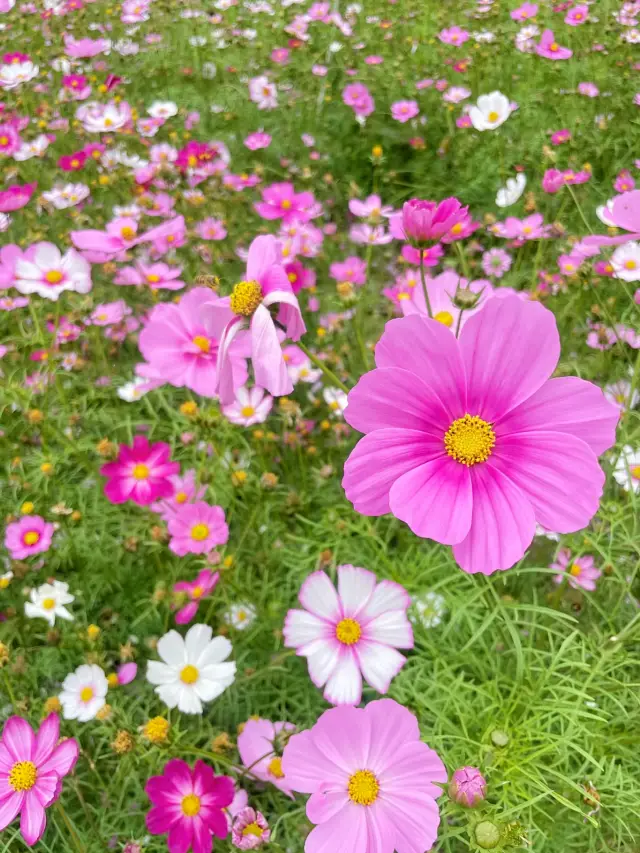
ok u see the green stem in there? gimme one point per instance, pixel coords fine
(463, 259)
(36, 322)
(10, 691)
(580, 211)
(424, 285)
(360, 312)
(74, 835)
(323, 367)
(459, 323)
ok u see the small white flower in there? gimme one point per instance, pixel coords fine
(627, 470)
(428, 609)
(209, 70)
(509, 194)
(5, 580)
(5, 222)
(193, 669)
(336, 400)
(132, 391)
(197, 41)
(626, 261)
(490, 111)
(251, 406)
(68, 195)
(163, 109)
(83, 693)
(48, 601)
(240, 616)
(619, 392)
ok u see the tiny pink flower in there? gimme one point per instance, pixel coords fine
(403, 111)
(186, 490)
(195, 591)
(251, 406)
(580, 572)
(28, 536)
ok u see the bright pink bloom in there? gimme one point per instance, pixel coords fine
(141, 473)
(624, 182)
(403, 111)
(527, 10)
(256, 140)
(453, 35)
(195, 591)
(183, 342)
(357, 96)
(422, 222)
(550, 49)
(189, 804)
(371, 780)
(473, 453)
(84, 48)
(30, 535)
(250, 830)
(560, 136)
(197, 528)
(9, 140)
(281, 201)
(579, 571)
(260, 745)
(186, 490)
(265, 285)
(351, 633)
(552, 181)
(430, 256)
(32, 767)
(352, 269)
(16, 196)
(468, 787)
(126, 673)
(577, 16)
(299, 276)
(72, 162)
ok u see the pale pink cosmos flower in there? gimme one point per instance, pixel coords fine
(352, 269)
(549, 48)
(580, 572)
(195, 591)
(257, 139)
(32, 767)
(109, 313)
(403, 111)
(10, 140)
(371, 208)
(530, 228)
(44, 270)
(590, 90)
(84, 48)
(186, 490)
(251, 406)
(260, 745)
(370, 235)
(527, 10)
(263, 93)
(496, 262)
(350, 634)
(141, 473)
(370, 777)
(453, 35)
(30, 535)
(211, 229)
(577, 15)
(197, 528)
(358, 97)
(250, 830)
(281, 201)
(469, 442)
(158, 276)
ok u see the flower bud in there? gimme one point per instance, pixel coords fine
(468, 787)
(487, 835)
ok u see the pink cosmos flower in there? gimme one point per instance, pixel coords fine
(84, 48)
(370, 208)
(182, 342)
(403, 111)
(77, 86)
(453, 35)
(157, 276)
(265, 285)
(477, 424)
(263, 93)
(30, 535)
(550, 49)
(372, 781)
(186, 490)
(352, 269)
(32, 767)
(195, 591)
(211, 229)
(10, 140)
(281, 201)
(109, 313)
(250, 830)
(188, 804)
(624, 212)
(256, 140)
(9, 255)
(16, 196)
(251, 406)
(496, 262)
(624, 182)
(530, 228)
(358, 97)
(421, 222)
(527, 10)
(125, 675)
(430, 256)
(369, 235)
(560, 136)
(300, 277)
(196, 528)
(141, 473)
(578, 15)
(122, 234)
(579, 571)
(351, 633)
(260, 745)
(590, 90)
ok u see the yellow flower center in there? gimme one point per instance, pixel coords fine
(470, 440)
(32, 537)
(152, 278)
(245, 298)
(23, 775)
(247, 411)
(4, 140)
(348, 631)
(181, 497)
(553, 46)
(86, 694)
(445, 318)
(457, 228)
(635, 472)
(493, 116)
(140, 472)
(202, 343)
(286, 204)
(252, 829)
(575, 570)
(189, 674)
(49, 603)
(275, 768)
(190, 805)
(630, 265)
(199, 532)
(197, 592)
(4, 582)
(403, 295)
(127, 233)
(53, 277)
(363, 788)
(292, 277)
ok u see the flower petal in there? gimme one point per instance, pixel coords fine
(355, 586)
(19, 739)
(318, 595)
(344, 685)
(379, 664)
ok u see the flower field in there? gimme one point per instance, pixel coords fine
(319, 426)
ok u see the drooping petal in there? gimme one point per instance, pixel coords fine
(269, 367)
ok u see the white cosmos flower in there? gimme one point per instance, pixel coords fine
(132, 391)
(627, 470)
(48, 601)
(83, 693)
(251, 406)
(103, 118)
(163, 109)
(240, 616)
(66, 195)
(193, 670)
(428, 609)
(336, 400)
(5, 222)
(48, 272)
(626, 261)
(14, 74)
(511, 192)
(490, 111)
(35, 148)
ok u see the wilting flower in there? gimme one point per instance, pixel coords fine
(249, 829)
(260, 745)
(30, 535)
(369, 776)
(579, 571)
(487, 432)
(141, 473)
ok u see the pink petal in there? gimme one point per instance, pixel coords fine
(346, 832)
(269, 367)
(202, 837)
(63, 758)
(509, 349)
(46, 739)
(263, 253)
(33, 820)
(301, 628)
(318, 595)
(415, 767)
(388, 595)
(19, 739)
(395, 726)
(390, 629)
(502, 525)
(379, 664)
(344, 685)
(416, 819)
(322, 658)
(355, 586)
(160, 819)
(180, 837)
(306, 766)
(10, 807)
(324, 803)
(435, 500)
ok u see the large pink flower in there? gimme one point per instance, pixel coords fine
(266, 284)
(260, 745)
(141, 473)
(372, 781)
(350, 633)
(281, 201)
(469, 441)
(32, 767)
(182, 342)
(16, 196)
(197, 528)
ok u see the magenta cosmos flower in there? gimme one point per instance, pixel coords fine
(469, 442)
(422, 222)
(189, 806)
(141, 473)
(351, 633)
(550, 49)
(28, 536)
(581, 572)
(197, 528)
(373, 783)
(32, 767)
(266, 284)
(195, 591)
(260, 745)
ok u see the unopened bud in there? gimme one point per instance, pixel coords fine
(466, 299)
(468, 787)
(487, 835)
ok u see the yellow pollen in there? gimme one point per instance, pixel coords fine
(348, 631)
(275, 768)
(32, 537)
(197, 592)
(190, 805)
(75, 163)
(4, 140)
(156, 729)
(152, 278)
(108, 122)
(635, 472)
(553, 46)
(127, 233)
(292, 277)
(245, 298)
(469, 440)
(181, 497)
(49, 603)
(202, 343)
(247, 411)
(86, 694)
(527, 229)
(575, 570)
(493, 116)
(252, 829)
(363, 788)
(140, 472)
(53, 277)
(189, 674)
(445, 318)
(286, 204)
(199, 532)
(457, 228)
(23, 775)
(403, 296)
(630, 265)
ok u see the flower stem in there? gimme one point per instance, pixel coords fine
(74, 835)
(580, 211)
(424, 285)
(323, 367)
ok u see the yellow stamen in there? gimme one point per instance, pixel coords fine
(252, 829)
(348, 631)
(189, 674)
(245, 298)
(275, 767)
(53, 277)
(635, 472)
(190, 805)
(575, 570)
(23, 775)
(445, 318)
(152, 278)
(247, 411)
(49, 603)
(199, 532)
(181, 497)
(197, 592)
(470, 440)
(127, 233)
(140, 472)
(86, 694)
(363, 788)
(493, 116)
(32, 537)
(202, 343)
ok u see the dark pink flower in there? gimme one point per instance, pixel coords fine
(16, 196)
(195, 591)
(141, 473)
(422, 222)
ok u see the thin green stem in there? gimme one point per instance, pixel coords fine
(578, 206)
(72, 831)
(10, 691)
(463, 259)
(424, 285)
(323, 367)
